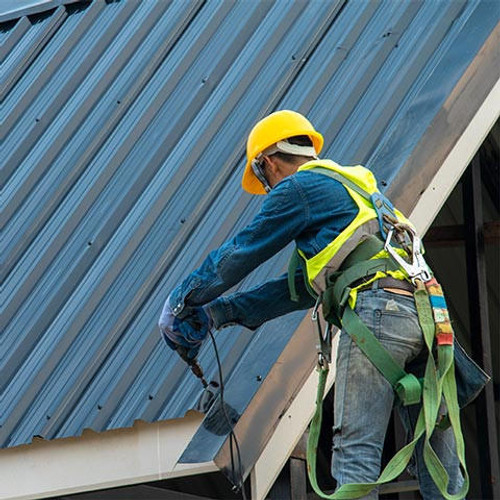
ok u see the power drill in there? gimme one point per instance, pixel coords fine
(193, 364)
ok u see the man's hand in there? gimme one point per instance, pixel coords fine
(186, 335)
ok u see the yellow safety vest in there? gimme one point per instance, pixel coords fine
(365, 224)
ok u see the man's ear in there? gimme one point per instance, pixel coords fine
(268, 163)
(271, 164)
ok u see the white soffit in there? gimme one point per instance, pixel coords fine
(456, 162)
(145, 452)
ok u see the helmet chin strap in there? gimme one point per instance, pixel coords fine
(259, 173)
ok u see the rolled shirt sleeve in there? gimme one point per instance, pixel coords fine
(262, 303)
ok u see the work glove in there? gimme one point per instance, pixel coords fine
(186, 335)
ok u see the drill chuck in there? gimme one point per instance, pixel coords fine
(196, 369)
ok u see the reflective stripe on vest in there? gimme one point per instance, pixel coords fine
(364, 224)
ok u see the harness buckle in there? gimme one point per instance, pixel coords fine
(314, 313)
(322, 363)
(325, 340)
(385, 211)
(417, 269)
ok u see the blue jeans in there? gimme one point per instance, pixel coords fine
(364, 398)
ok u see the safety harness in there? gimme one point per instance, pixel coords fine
(361, 266)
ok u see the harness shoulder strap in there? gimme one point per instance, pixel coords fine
(343, 180)
(381, 204)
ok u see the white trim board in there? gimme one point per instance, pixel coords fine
(145, 452)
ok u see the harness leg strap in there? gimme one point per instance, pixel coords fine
(406, 385)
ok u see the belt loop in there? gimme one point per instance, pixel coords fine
(375, 285)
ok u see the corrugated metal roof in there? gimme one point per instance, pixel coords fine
(13, 9)
(124, 131)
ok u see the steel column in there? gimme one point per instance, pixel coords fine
(479, 327)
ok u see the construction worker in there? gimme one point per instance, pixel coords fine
(327, 220)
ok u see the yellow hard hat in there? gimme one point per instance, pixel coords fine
(275, 127)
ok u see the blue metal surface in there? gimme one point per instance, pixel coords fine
(124, 134)
(14, 9)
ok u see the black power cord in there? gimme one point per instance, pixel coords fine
(232, 436)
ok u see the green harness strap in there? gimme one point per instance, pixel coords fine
(405, 385)
(335, 299)
(439, 382)
(343, 180)
(336, 310)
(293, 265)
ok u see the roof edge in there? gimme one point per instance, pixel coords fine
(454, 165)
(145, 452)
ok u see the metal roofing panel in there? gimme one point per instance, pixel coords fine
(449, 61)
(13, 9)
(125, 126)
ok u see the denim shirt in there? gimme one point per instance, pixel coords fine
(306, 207)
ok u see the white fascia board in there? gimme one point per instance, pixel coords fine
(298, 416)
(288, 432)
(145, 452)
(453, 167)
